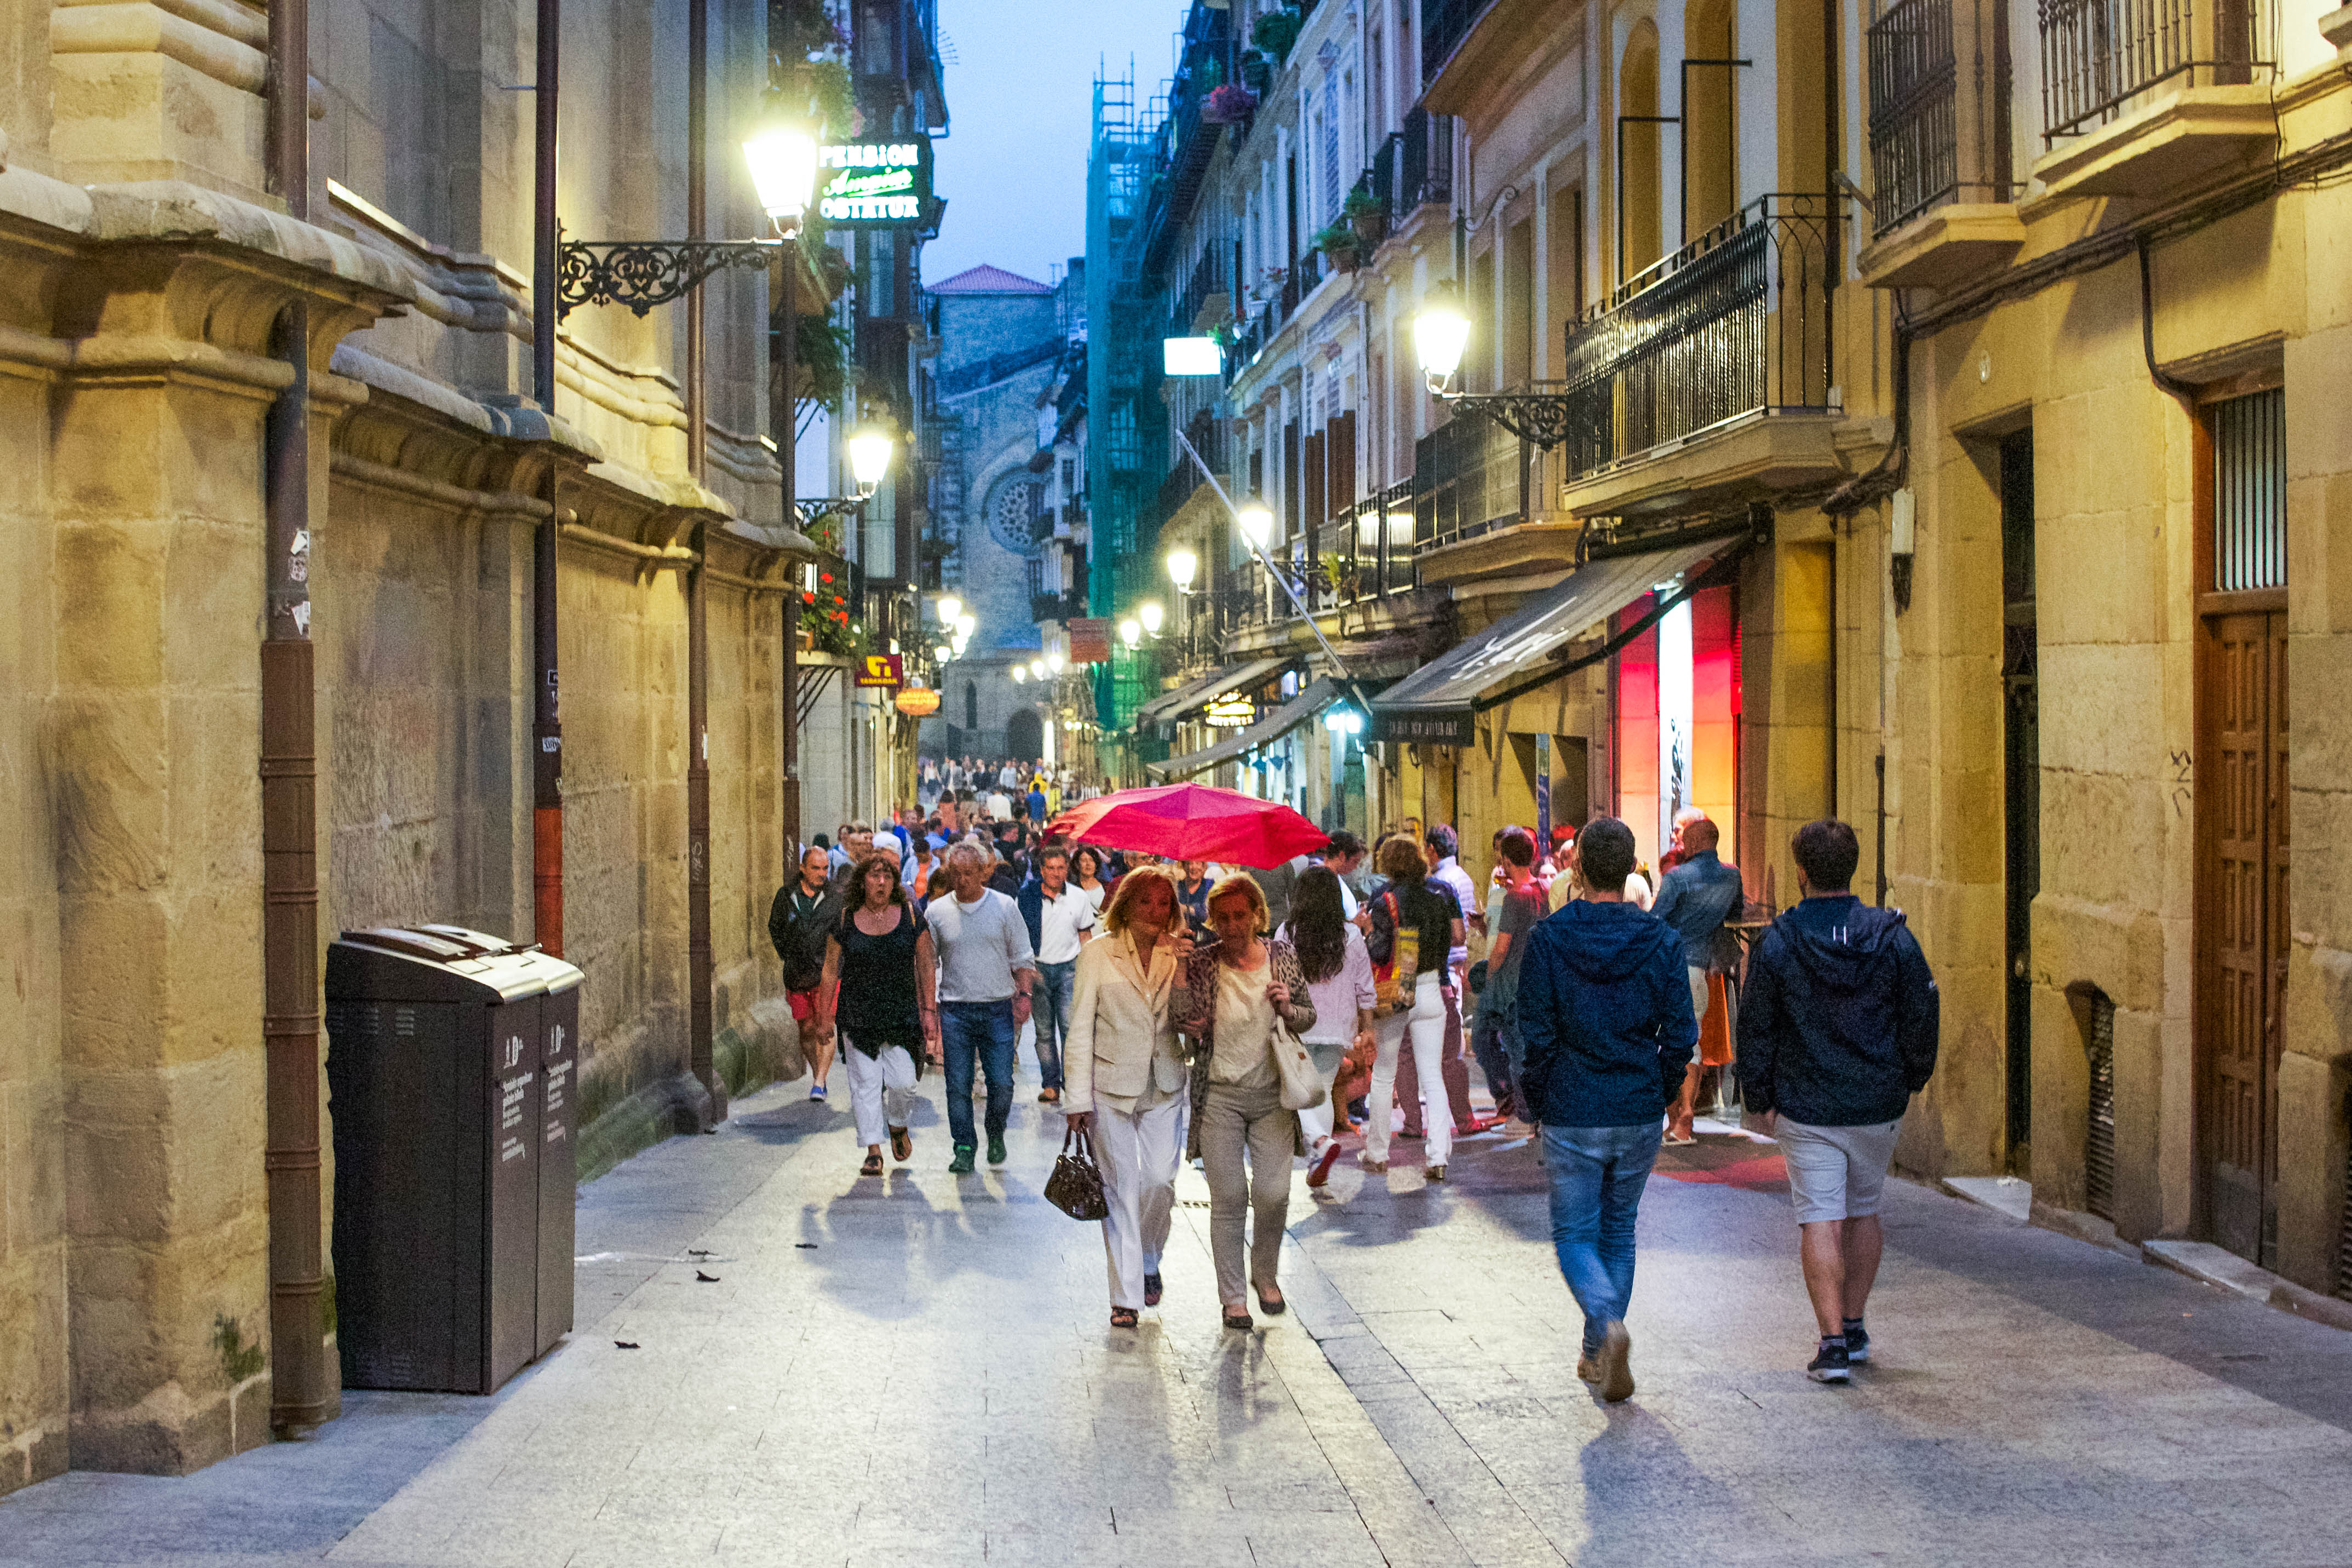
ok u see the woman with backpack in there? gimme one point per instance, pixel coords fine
(1415, 923)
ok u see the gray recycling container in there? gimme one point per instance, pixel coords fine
(559, 1122)
(434, 1069)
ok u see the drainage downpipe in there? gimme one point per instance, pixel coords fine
(547, 724)
(304, 1388)
(698, 626)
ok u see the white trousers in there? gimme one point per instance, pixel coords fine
(1139, 1153)
(1316, 1122)
(1425, 1024)
(881, 1090)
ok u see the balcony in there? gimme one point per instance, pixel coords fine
(1943, 212)
(1415, 167)
(1185, 142)
(1706, 380)
(1469, 47)
(1068, 604)
(2151, 96)
(1264, 324)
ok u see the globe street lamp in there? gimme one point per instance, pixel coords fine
(1256, 520)
(1020, 674)
(948, 607)
(966, 624)
(1130, 633)
(1054, 663)
(1151, 616)
(1441, 332)
(783, 158)
(870, 451)
(1181, 566)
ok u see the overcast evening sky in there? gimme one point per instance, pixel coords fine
(1020, 100)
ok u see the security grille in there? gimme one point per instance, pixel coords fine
(2343, 1235)
(2249, 492)
(2099, 1147)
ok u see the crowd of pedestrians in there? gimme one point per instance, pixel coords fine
(1247, 1018)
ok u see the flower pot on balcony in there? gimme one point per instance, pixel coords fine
(1228, 105)
(1257, 71)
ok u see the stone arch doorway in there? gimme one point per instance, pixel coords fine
(1024, 736)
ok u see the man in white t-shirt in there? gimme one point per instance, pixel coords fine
(1060, 919)
(1000, 805)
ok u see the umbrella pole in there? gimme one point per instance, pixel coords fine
(1339, 665)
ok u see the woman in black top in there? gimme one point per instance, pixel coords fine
(1427, 910)
(881, 991)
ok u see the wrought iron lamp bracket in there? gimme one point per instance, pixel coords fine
(1542, 418)
(641, 274)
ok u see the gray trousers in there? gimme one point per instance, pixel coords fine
(1231, 1120)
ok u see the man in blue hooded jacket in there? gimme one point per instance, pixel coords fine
(1605, 1015)
(1837, 1030)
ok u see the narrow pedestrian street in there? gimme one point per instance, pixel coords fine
(917, 1371)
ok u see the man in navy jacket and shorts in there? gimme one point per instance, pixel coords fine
(1837, 1030)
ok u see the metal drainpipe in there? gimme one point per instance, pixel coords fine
(698, 626)
(546, 723)
(302, 1384)
(784, 415)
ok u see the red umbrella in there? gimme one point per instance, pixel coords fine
(1193, 822)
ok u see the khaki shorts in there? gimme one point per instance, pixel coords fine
(1836, 1172)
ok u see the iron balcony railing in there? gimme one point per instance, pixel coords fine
(1735, 323)
(1415, 167)
(1443, 24)
(2099, 55)
(1469, 476)
(1914, 144)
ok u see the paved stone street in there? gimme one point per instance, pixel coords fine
(913, 1372)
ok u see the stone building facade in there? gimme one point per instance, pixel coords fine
(1953, 451)
(999, 338)
(143, 263)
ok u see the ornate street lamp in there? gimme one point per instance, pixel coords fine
(1441, 332)
(641, 274)
(1130, 633)
(1181, 566)
(1149, 613)
(1256, 520)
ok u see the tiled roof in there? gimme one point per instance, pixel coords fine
(987, 279)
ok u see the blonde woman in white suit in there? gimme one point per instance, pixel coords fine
(1125, 1078)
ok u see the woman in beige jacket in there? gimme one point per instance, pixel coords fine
(1125, 1077)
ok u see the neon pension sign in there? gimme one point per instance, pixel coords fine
(876, 182)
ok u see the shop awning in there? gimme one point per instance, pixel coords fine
(1172, 705)
(1319, 693)
(1438, 701)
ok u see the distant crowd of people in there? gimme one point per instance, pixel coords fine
(1246, 1018)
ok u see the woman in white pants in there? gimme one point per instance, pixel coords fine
(1338, 973)
(1125, 1079)
(1416, 904)
(881, 991)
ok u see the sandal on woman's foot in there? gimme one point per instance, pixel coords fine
(873, 1165)
(1320, 1173)
(1238, 1320)
(1151, 1289)
(1049, 1097)
(902, 1144)
(1371, 1164)
(1272, 1306)
(1122, 1317)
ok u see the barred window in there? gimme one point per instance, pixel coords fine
(2249, 491)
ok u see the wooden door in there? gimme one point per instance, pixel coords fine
(2242, 923)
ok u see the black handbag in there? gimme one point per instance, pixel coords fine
(1076, 1187)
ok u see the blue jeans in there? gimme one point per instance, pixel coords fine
(982, 1032)
(1597, 1175)
(1058, 984)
